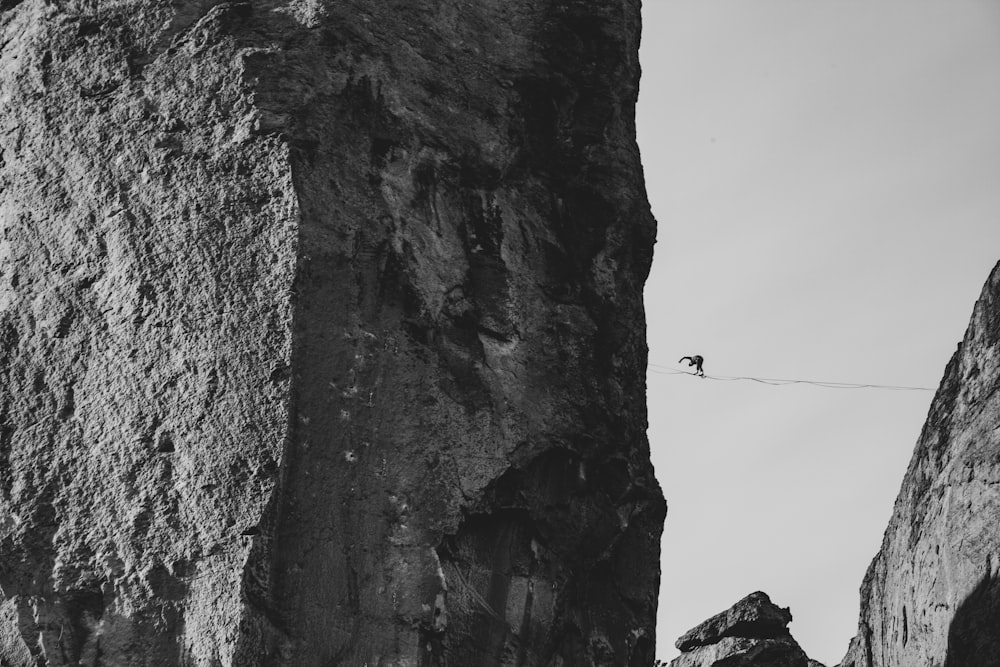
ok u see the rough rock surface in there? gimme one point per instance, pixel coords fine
(321, 334)
(755, 616)
(932, 594)
(751, 633)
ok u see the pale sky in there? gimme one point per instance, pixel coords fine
(826, 177)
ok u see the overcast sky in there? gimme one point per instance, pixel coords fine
(826, 176)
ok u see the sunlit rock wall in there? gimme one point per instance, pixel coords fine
(932, 595)
(322, 335)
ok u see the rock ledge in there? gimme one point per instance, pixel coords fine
(751, 633)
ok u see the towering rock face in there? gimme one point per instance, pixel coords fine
(322, 335)
(932, 594)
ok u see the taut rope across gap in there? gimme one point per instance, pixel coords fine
(664, 370)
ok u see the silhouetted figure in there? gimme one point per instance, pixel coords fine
(696, 361)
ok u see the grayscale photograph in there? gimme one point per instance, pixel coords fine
(499, 333)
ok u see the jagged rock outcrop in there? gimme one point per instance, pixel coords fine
(932, 594)
(751, 633)
(322, 334)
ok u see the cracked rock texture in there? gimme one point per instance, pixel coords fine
(321, 335)
(751, 633)
(932, 594)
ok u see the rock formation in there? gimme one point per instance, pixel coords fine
(932, 594)
(751, 633)
(322, 334)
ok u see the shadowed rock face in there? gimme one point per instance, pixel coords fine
(751, 633)
(322, 335)
(930, 595)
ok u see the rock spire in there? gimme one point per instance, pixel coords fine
(321, 334)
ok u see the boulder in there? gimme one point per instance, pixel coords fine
(743, 652)
(755, 617)
(751, 633)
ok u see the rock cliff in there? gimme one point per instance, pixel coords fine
(932, 594)
(751, 633)
(322, 334)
